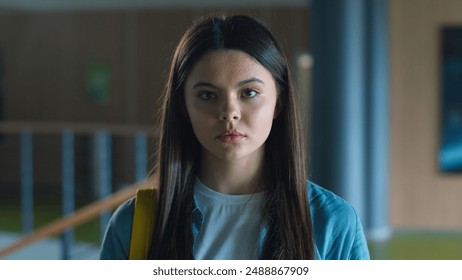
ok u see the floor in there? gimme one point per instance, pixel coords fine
(419, 245)
(48, 249)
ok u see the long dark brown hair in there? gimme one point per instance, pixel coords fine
(289, 228)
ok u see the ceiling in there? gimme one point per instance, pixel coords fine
(63, 5)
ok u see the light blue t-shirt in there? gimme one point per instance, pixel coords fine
(338, 234)
(231, 225)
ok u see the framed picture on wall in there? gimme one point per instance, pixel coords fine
(450, 152)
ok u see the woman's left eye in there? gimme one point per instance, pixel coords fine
(249, 93)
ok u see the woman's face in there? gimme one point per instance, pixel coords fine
(231, 101)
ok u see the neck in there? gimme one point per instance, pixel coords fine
(240, 176)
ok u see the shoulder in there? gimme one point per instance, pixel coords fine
(124, 212)
(122, 218)
(338, 232)
(324, 203)
(116, 241)
(328, 210)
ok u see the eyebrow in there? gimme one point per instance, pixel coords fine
(251, 80)
(241, 83)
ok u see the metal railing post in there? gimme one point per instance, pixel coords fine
(68, 189)
(103, 172)
(27, 191)
(141, 156)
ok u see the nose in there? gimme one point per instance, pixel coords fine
(230, 110)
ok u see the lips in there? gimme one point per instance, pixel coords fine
(230, 136)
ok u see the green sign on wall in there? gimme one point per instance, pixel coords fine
(98, 76)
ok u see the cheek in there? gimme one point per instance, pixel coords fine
(193, 111)
(263, 113)
(200, 122)
(198, 116)
(261, 120)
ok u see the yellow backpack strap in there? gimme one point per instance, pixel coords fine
(144, 220)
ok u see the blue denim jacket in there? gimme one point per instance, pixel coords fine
(338, 232)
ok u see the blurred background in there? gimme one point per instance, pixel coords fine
(380, 86)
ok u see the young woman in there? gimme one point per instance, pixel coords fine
(231, 162)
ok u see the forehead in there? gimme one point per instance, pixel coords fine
(227, 66)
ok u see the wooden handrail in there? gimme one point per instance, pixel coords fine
(79, 217)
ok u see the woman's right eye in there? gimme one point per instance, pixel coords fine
(206, 95)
